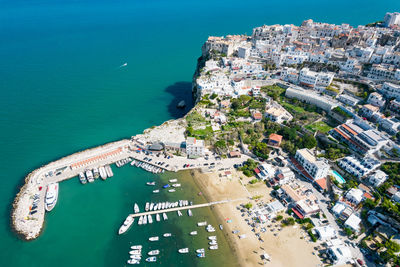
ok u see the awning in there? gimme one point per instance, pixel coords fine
(297, 213)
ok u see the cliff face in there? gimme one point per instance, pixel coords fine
(200, 64)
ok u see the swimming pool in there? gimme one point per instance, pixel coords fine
(338, 177)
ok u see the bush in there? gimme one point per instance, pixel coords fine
(288, 221)
(313, 237)
(279, 218)
(248, 206)
(253, 181)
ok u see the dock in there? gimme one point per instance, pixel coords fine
(134, 215)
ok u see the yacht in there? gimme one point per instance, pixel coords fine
(153, 252)
(167, 235)
(82, 178)
(156, 206)
(201, 223)
(135, 252)
(147, 206)
(151, 206)
(136, 247)
(173, 180)
(193, 233)
(125, 226)
(190, 212)
(154, 238)
(183, 250)
(51, 196)
(165, 217)
(151, 259)
(136, 257)
(213, 243)
(158, 217)
(136, 208)
(144, 219)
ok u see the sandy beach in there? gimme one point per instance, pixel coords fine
(290, 246)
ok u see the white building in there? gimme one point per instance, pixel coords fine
(354, 196)
(378, 178)
(311, 97)
(194, 147)
(348, 100)
(391, 90)
(277, 114)
(339, 254)
(391, 19)
(315, 79)
(318, 169)
(325, 232)
(353, 222)
(359, 168)
(376, 99)
(391, 126)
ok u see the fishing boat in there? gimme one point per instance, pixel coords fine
(156, 191)
(201, 223)
(165, 217)
(125, 226)
(183, 250)
(171, 190)
(154, 238)
(173, 180)
(166, 186)
(133, 261)
(151, 183)
(201, 255)
(151, 259)
(82, 178)
(153, 252)
(146, 208)
(213, 247)
(150, 218)
(193, 233)
(176, 185)
(200, 250)
(140, 220)
(136, 247)
(190, 212)
(158, 217)
(167, 235)
(136, 208)
(179, 213)
(51, 196)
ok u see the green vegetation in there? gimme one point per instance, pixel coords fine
(292, 108)
(261, 150)
(288, 221)
(248, 205)
(248, 168)
(203, 134)
(279, 218)
(273, 91)
(333, 88)
(313, 237)
(348, 231)
(393, 170)
(373, 24)
(194, 118)
(253, 181)
(341, 112)
(319, 126)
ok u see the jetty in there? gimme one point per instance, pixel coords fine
(185, 207)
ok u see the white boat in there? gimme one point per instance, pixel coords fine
(151, 259)
(213, 247)
(136, 208)
(89, 176)
(103, 173)
(133, 162)
(183, 250)
(165, 217)
(209, 228)
(151, 206)
(155, 207)
(150, 218)
(156, 191)
(179, 213)
(146, 208)
(136, 247)
(151, 183)
(171, 190)
(140, 220)
(153, 252)
(200, 250)
(125, 226)
(136, 257)
(51, 196)
(154, 238)
(144, 219)
(193, 233)
(221, 227)
(167, 235)
(109, 171)
(176, 185)
(201, 223)
(133, 261)
(173, 180)
(158, 217)
(96, 173)
(242, 236)
(213, 243)
(135, 252)
(213, 237)
(82, 178)
(201, 255)
(190, 212)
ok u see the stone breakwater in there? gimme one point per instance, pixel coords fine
(29, 226)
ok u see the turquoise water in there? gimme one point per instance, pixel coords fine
(63, 91)
(338, 177)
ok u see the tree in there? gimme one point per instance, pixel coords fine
(261, 150)
(279, 217)
(220, 144)
(248, 205)
(309, 141)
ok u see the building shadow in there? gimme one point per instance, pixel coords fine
(180, 91)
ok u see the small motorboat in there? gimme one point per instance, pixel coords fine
(167, 235)
(201, 255)
(136, 247)
(200, 250)
(166, 186)
(213, 247)
(151, 259)
(133, 261)
(151, 183)
(156, 191)
(193, 233)
(153, 252)
(183, 250)
(154, 238)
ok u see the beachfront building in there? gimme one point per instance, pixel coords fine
(265, 171)
(378, 178)
(325, 233)
(339, 254)
(358, 168)
(391, 19)
(194, 147)
(315, 79)
(316, 169)
(283, 176)
(301, 199)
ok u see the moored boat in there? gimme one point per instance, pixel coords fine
(171, 190)
(150, 218)
(156, 191)
(190, 212)
(158, 217)
(183, 250)
(201, 255)
(166, 186)
(133, 261)
(165, 217)
(173, 180)
(167, 235)
(151, 183)
(153, 252)
(82, 178)
(103, 174)
(96, 173)
(126, 225)
(140, 220)
(176, 185)
(136, 208)
(154, 238)
(200, 250)
(136, 247)
(193, 233)
(213, 247)
(151, 259)
(51, 196)
(201, 223)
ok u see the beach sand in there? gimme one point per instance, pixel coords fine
(290, 247)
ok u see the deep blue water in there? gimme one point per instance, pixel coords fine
(62, 91)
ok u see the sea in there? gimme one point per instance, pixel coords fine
(64, 88)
